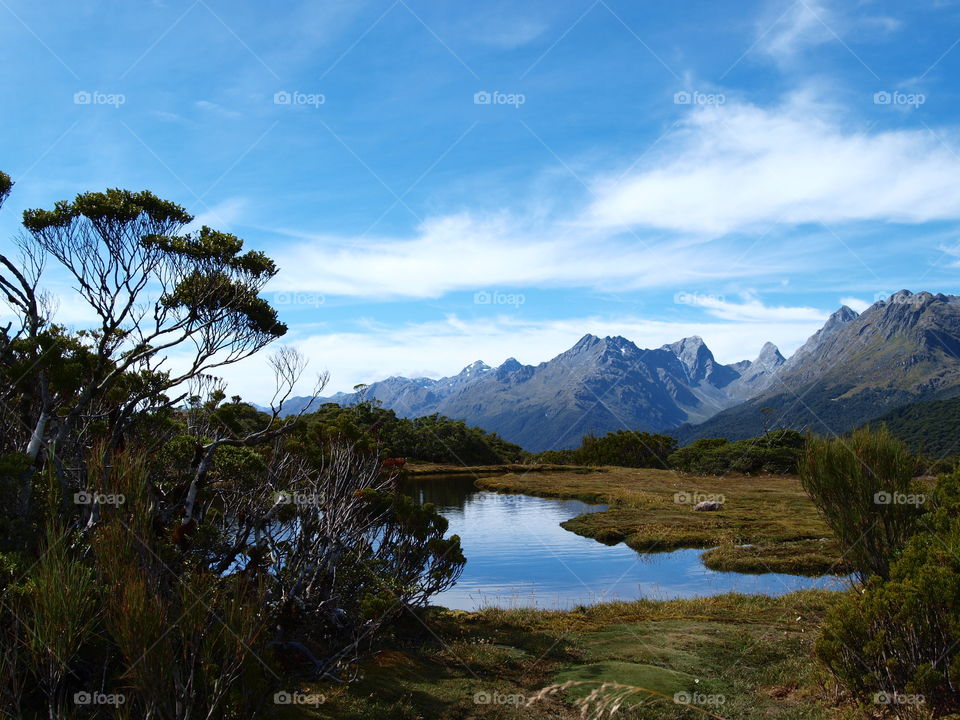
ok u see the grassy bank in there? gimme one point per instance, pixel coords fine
(424, 469)
(740, 656)
(767, 523)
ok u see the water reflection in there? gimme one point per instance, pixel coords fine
(518, 555)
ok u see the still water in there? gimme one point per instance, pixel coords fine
(518, 556)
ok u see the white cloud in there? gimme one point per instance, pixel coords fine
(467, 253)
(804, 23)
(735, 168)
(792, 26)
(739, 167)
(752, 310)
(855, 303)
(220, 217)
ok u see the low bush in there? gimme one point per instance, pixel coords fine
(864, 487)
(897, 642)
(776, 452)
(624, 448)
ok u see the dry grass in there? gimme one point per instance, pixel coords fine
(770, 512)
(754, 651)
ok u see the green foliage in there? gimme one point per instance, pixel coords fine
(776, 452)
(60, 611)
(930, 427)
(901, 636)
(624, 448)
(863, 486)
(209, 537)
(113, 205)
(6, 185)
(432, 438)
(17, 531)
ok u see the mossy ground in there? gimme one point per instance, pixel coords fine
(770, 513)
(753, 652)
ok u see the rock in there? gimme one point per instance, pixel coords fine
(708, 505)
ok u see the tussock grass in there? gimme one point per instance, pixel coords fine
(770, 512)
(755, 651)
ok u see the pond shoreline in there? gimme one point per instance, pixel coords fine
(520, 551)
(767, 524)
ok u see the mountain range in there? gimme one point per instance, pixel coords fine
(856, 367)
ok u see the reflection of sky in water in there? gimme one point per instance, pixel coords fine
(518, 555)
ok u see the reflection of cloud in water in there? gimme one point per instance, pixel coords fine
(519, 556)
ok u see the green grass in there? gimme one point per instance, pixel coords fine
(800, 557)
(770, 512)
(753, 651)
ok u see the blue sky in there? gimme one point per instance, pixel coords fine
(442, 182)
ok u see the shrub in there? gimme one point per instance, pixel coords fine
(624, 448)
(857, 482)
(775, 452)
(901, 637)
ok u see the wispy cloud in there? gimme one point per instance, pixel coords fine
(805, 23)
(467, 253)
(855, 303)
(221, 216)
(751, 309)
(738, 166)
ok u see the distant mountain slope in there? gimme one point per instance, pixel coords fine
(598, 385)
(855, 368)
(931, 426)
